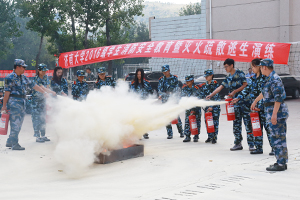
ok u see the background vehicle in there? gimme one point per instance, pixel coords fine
(151, 76)
(291, 85)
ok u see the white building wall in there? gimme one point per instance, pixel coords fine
(178, 28)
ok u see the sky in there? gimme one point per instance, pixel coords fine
(177, 1)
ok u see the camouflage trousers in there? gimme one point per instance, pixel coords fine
(242, 112)
(258, 140)
(216, 116)
(197, 112)
(179, 128)
(16, 118)
(278, 140)
(38, 117)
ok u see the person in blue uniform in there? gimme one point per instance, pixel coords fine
(59, 84)
(80, 88)
(104, 80)
(206, 89)
(252, 91)
(14, 101)
(141, 86)
(273, 95)
(191, 90)
(236, 82)
(38, 103)
(168, 84)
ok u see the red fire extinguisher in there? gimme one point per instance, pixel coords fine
(209, 122)
(230, 110)
(175, 121)
(4, 123)
(193, 125)
(255, 124)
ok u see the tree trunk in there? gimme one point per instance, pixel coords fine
(108, 43)
(39, 53)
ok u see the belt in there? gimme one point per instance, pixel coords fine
(18, 96)
(270, 104)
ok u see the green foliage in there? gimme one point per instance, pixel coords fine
(8, 27)
(190, 9)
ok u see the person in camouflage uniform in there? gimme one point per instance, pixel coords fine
(253, 90)
(141, 86)
(236, 82)
(104, 80)
(14, 101)
(80, 88)
(89, 75)
(205, 90)
(38, 103)
(273, 95)
(167, 85)
(191, 90)
(59, 84)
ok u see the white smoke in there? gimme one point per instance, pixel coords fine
(108, 119)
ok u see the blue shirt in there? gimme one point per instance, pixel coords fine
(273, 91)
(108, 82)
(248, 76)
(206, 89)
(40, 82)
(144, 90)
(58, 88)
(186, 91)
(167, 86)
(80, 90)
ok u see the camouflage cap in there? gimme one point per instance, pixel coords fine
(80, 73)
(165, 68)
(42, 67)
(20, 62)
(266, 62)
(208, 72)
(189, 78)
(102, 70)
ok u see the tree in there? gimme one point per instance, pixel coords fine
(43, 18)
(8, 26)
(190, 9)
(117, 14)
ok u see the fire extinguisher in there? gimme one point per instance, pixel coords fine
(175, 121)
(4, 123)
(255, 124)
(193, 125)
(209, 122)
(230, 110)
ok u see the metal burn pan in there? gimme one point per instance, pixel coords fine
(133, 151)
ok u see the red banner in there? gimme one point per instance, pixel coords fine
(28, 73)
(242, 51)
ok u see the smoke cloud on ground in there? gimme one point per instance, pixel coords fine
(108, 119)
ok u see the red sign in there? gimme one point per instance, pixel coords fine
(27, 73)
(242, 51)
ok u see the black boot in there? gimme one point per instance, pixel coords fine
(187, 139)
(276, 167)
(237, 147)
(146, 136)
(213, 141)
(208, 140)
(170, 137)
(257, 151)
(17, 147)
(272, 153)
(181, 135)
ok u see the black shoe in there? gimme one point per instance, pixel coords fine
(276, 167)
(187, 139)
(46, 139)
(257, 151)
(8, 145)
(181, 135)
(170, 137)
(214, 141)
(17, 147)
(146, 136)
(252, 149)
(208, 140)
(272, 153)
(196, 139)
(236, 147)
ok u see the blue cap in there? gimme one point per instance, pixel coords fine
(42, 67)
(165, 68)
(266, 62)
(20, 62)
(102, 70)
(208, 72)
(189, 78)
(80, 73)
